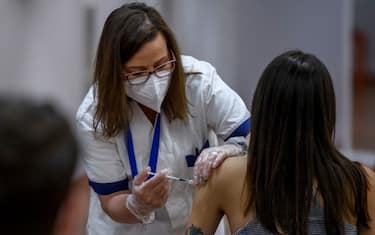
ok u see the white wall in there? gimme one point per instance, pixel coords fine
(43, 43)
(240, 37)
(13, 42)
(41, 51)
(207, 30)
(43, 47)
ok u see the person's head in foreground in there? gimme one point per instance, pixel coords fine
(38, 153)
(296, 181)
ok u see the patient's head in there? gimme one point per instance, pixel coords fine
(294, 102)
(38, 153)
(291, 148)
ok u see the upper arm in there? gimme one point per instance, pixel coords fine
(226, 111)
(206, 211)
(106, 201)
(101, 159)
(105, 171)
(370, 203)
(102, 163)
(211, 200)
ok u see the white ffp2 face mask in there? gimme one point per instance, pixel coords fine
(151, 93)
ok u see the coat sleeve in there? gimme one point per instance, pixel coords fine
(226, 114)
(101, 159)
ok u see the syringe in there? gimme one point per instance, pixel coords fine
(188, 181)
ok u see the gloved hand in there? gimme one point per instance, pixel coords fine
(211, 158)
(148, 195)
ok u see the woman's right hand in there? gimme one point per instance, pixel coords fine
(148, 195)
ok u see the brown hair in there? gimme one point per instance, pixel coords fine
(292, 150)
(125, 31)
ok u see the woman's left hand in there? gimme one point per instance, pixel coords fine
(211, 158)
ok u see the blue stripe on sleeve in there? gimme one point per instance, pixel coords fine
(108, 188)
(242, 130)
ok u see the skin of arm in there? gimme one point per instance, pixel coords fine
(248, 138)
(216, 197)
(212, 200)
(370, 204)
(114, 206)
(206, 213)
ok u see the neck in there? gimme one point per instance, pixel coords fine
(150, 114)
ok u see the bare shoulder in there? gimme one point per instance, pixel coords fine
(370, 173)
(370, 202)
(225, 179)
(212, 197)
(230, 173)
(371, 180)
(231, 166)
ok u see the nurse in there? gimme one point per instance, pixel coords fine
(151, 109)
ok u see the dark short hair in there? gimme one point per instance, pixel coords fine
(38, 154)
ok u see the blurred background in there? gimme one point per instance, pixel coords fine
(47, 50)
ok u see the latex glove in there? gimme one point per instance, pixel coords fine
(148, 195)
(211, 158)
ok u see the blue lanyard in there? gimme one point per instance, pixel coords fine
(154, 149)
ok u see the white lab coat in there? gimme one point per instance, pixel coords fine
(212, 105)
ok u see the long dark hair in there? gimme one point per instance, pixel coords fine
(125, 31)
(291, 150)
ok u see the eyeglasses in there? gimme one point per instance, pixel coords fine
(160, 71)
